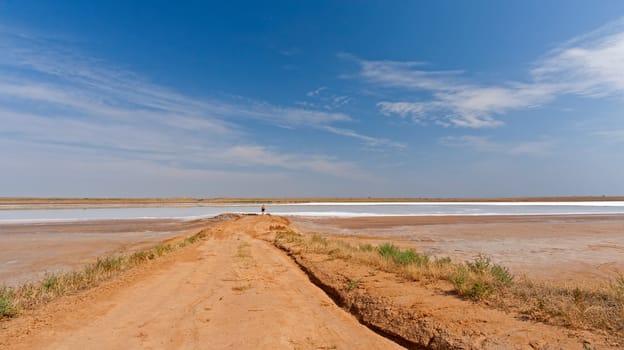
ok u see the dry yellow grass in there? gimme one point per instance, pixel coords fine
(31, 295)
(599, 307)
(575, 305)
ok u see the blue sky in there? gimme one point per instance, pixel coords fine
(294, 98)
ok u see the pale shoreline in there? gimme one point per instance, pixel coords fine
(46, 213)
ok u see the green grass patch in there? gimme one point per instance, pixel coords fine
(480, 278)
(353, 284)
(402, 256)
(50, 282)
(6, 305)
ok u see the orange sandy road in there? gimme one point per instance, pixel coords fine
(230, 292)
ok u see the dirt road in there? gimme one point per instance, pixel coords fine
(232, 291)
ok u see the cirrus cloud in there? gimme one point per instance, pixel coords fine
(591, 65)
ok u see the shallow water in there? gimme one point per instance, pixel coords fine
(321, 209)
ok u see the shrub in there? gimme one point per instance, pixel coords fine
(49, 282)
(481, 264)
(388, 250)
(479, 278)
(501, 274)
(479, 290)
(6, 305)
(459, 279)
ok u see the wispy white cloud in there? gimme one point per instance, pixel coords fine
(591, 65)
(320, 98)
(615, 135)
(52, 96)
(315, 92)
(370, 141)
(486, 145)
(106, 92)
(408, 75)
(454, 102)
(290, 51)
(262, 156)
(287, 116)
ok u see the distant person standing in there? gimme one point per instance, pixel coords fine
(263, 208)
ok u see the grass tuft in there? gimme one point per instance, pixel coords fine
(618, 287)
(480, 278)
(402, 257)
(353, 284)
(366, 247)
(6, 305)
(501, 275)
(50, 282)
(163, 249)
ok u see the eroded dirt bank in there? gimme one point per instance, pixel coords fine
(431, 316)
